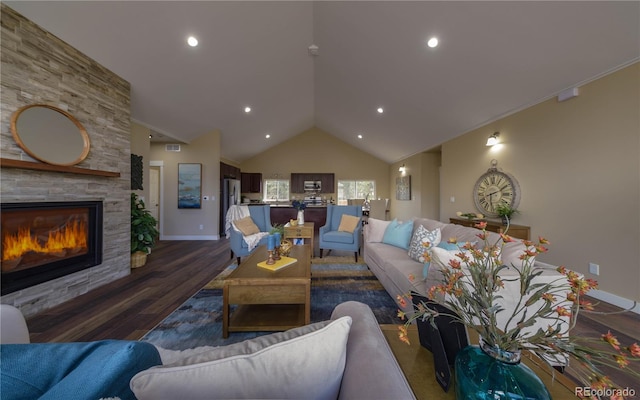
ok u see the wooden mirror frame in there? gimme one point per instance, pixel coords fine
(43, 157)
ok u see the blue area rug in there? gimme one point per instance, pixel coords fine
(198, 322)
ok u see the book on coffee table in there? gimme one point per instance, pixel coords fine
(281, 263)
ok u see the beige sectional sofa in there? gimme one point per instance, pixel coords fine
(393, 266)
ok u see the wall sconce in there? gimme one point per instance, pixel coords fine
(493, 139)
(402, 169)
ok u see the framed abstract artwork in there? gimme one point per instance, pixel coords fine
(403, 187)
(189, 185)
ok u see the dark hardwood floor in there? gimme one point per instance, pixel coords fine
(130, 307)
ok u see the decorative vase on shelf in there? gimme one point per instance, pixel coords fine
(300, 217)
(486, 372)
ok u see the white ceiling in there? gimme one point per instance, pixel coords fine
(494, 58)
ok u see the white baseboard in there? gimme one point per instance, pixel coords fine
(607, 297)
(615, 300)
(189, 237)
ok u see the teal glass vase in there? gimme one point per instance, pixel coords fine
(485, 372)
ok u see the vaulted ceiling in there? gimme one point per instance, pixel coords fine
(493, 58)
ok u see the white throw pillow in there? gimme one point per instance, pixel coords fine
(441, 257)
(375, 230)
(302, 366)
(423, 240)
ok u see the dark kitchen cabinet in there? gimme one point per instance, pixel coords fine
(229, 171)
(251, 182)
(327, 182)
(297, 183)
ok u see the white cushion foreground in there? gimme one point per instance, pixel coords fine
(309, 363)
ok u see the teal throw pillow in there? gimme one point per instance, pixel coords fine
(398, 234)
(448, 246)
(425, 269)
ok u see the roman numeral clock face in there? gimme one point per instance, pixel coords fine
(496, 188)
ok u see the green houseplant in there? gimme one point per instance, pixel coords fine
(505, 212)
(143, 232)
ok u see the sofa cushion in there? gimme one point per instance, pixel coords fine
(430, 224)
(73, 370)
(398, 234)
(246, 226)
(348, 223)
(309, 361)
(375, 229)
(372, 371)
(511, 252)
(442, 257)
(422, 241)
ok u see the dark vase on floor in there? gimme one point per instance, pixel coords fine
(485, 372)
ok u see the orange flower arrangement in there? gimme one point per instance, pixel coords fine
(471, 289)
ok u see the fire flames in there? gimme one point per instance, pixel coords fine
(70, 238)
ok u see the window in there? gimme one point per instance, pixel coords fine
(355, 190)
(276, 190)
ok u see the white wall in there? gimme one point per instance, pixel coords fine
(184, 224)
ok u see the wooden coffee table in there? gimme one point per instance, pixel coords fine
(268, 300)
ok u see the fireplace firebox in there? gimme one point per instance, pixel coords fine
(47, 240)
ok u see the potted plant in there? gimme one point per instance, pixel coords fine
(143, 232)
(505, 212)
(300, 206)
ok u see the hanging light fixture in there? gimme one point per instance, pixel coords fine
(493, 139)
(402, 169)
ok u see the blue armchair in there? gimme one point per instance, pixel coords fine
(261, 216)
(333, 239)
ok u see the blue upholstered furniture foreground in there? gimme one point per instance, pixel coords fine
(261, 216)
(73, 371)
(333, 239)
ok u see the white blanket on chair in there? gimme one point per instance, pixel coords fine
(252, 240)
(238, 212)
(233, 213)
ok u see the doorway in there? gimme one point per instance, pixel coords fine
(155, 193)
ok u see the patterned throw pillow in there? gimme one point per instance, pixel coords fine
(422, 241)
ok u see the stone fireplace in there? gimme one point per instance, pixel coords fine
(39, 68)
(48, 240)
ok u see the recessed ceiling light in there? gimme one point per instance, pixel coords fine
(267, 136)
(247, 109)
(192, 41)
(380, 110)
(433, 42)
(359, 136)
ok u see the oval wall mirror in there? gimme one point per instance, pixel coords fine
(50, 135)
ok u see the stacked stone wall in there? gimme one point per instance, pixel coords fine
(37, 67)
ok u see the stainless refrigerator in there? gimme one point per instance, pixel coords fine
(230, 196)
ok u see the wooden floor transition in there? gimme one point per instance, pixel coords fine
(131, 306)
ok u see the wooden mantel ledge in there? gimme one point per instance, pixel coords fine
(8, 163)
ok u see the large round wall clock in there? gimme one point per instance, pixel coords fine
(495, 188)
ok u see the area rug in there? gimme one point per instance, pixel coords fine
(198, 322)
